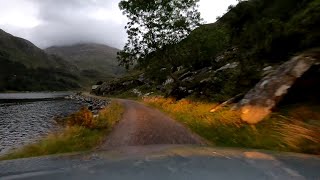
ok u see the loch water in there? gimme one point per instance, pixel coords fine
(27, 117)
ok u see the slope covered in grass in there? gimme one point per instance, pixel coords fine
(251, 36)
(25, 67)
(96, 61)
(294, 128)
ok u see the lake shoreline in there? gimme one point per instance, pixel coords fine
(26, 117)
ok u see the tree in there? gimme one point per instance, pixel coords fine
(155, 24)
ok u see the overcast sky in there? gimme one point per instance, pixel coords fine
(65, 22)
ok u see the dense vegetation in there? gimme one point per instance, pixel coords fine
(261, 30)
(255, 34)
(155, 24)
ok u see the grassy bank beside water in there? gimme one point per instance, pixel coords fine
(295, 128)
(82, 132)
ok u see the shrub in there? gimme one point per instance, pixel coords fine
(84, 117)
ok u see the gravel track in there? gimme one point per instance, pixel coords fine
(143, 125)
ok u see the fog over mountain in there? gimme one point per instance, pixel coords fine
(66, 22)
(60, 22)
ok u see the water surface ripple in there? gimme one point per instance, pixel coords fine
(25, 118)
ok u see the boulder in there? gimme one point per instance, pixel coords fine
(142, 78)
(168, 81)
(94, 87)
(259, 102)
(228, 66)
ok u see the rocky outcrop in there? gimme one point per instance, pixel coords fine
(259, 102)
(93, 104)
(124, 84)
(218, 83)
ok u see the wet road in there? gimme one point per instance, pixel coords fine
(166, 162)
(141, 125)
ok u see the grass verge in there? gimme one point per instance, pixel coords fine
(82, 132)
(296, 129)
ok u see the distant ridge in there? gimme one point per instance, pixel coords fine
(25, 67)
(91, 58)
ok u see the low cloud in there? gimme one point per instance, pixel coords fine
(66, 22)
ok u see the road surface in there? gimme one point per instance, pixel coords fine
(176, 162)
(142, 125)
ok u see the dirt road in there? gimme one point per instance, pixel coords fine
(142, 125)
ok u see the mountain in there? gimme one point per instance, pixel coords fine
(96, 61)
(23, 51)
(25, 67)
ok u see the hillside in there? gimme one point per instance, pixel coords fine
(23, 51)
(96, 61)
(218, 61)
(25, 67)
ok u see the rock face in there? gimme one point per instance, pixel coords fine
(121, 85)
(259, 102)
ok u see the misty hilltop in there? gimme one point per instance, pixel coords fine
(25, 67)
(94, 60)
(26, 53)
